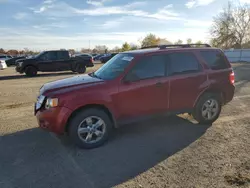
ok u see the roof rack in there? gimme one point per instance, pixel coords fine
(177, 45)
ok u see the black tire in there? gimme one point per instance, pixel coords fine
(79, 118)
(31, 71)
(80, 69)
(200, 106)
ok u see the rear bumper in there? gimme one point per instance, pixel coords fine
(54, 119)
(229, 94)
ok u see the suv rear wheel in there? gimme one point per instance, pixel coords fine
(31, 71)
(208, 108)
(90, 128)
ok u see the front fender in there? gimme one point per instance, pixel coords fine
(77, 102)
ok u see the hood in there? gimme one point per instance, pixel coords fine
(24, 59)
(69, 82)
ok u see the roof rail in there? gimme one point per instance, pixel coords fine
(177, 45)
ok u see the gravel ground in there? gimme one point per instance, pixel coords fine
(164, 152)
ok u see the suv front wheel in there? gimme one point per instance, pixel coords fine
(208, 108)
(31, 71)
(90, 128)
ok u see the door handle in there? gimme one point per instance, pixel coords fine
(158, 84)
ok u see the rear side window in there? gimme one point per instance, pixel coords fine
(183, 63)
(63, 55)
(49, 56)
(214, 59)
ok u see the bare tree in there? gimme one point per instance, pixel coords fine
(231, 28)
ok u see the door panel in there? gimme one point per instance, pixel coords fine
(63, 62)
(45, 65)
(144, 97)
(187, 80)
(47, 62)
(184, 90)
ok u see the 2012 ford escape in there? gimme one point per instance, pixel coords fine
(134, 85)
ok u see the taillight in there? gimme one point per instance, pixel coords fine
(92, 60)
(231, 77)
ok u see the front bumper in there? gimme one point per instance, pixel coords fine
(54, 119)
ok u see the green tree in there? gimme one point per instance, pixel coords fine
(189, 41)
(199, 42)
(164, 41)
(150, 40)
(178, 42)
(125, 47)
(133, 47)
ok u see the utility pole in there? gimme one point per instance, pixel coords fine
(89, 45)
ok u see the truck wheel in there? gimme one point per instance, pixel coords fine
(31, 71)
(207, 109)
(90, 128)
(80, 69)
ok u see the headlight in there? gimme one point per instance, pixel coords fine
(51, 102)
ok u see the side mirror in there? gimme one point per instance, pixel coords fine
(131, 77)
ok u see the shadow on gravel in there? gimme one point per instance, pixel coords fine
(22, 76)
(34, 158)
(135, 149)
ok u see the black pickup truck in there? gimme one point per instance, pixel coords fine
(52, 61)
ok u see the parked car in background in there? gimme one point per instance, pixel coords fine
(106, 58)
(51, 61)
(97, 57)
(5, 57)
(12, 61)
(136, 85)
(2, 65)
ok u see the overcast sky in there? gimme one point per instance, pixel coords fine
(51, 24)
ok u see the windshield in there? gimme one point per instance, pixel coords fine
(35, 56)
(114, 67)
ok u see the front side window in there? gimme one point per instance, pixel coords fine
(49, 56)
(149, 67)
(114, 67)
(182, 63)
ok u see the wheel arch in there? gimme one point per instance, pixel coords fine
(217, 91)
(88, 106)
(30, 65)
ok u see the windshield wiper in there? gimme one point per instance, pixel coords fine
(94, 75)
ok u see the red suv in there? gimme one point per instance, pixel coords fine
(136, 85)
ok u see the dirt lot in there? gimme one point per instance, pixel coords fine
(168, 152)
